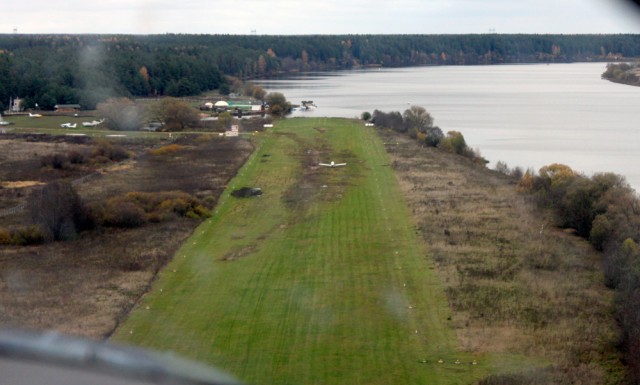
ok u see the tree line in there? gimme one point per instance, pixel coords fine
(605, 210)
(88, 69)
(417, 123)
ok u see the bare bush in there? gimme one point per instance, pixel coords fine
(76, 157)
(55, 161)
(110, 151)
(502, 167)
(59, 212)
(121, 212)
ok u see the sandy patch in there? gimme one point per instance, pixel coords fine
(21, 184)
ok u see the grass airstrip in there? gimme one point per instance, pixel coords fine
(320, 280)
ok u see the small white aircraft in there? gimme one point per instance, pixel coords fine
(69, 125)
(34, 115)
(332, 164)
(92, 124)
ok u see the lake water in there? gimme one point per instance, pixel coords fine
(524, 115)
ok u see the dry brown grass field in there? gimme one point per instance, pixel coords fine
(515, 283)
(85, 285)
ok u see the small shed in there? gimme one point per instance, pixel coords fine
(67, 107)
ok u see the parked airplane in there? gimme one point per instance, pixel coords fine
(332, 164)
(92, 124)
(34, 115)
(4, 122)
(69, 125)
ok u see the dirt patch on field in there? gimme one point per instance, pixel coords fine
(504, 268)
(232, 256)
(86, 285)
(315, 182)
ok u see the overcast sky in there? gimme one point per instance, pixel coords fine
(274, 17)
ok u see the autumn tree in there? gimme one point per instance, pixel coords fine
(254, 91)
(259, 93)
(225, 120)
(176, 114)
(278, 104)
(417, 118)
(262, 65)
(454, 142)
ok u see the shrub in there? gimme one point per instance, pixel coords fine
(526, 182)
(502, 167)
(178, 206)
(110, 151)
(210, 200)
(76, 157)
(225, 120)
(167, 150)
(392, 120)
(413, 133)
(576, 206)
(135, 208)
(5, 236)
(601, 229)
(29, 235)
(517, 172)
(201, 212)
(59, 211)
(121, 212)
(191, 214)
(433, 136)
(454, 142)
(56, 161)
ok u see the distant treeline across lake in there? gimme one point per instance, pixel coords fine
(46, 70)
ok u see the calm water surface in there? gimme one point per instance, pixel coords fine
(525, 115)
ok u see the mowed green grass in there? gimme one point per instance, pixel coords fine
(321, 280)
(50, 124)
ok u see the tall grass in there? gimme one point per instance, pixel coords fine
(515, 283)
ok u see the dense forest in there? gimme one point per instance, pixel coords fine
(86, 69)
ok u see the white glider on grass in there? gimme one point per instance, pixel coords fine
(332, 164)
